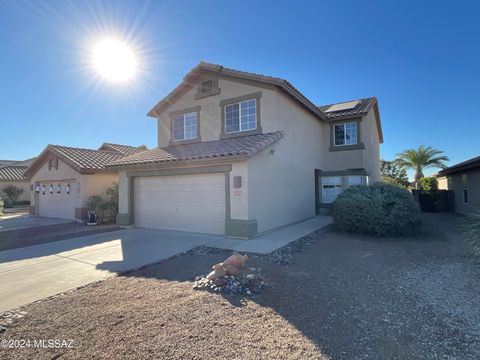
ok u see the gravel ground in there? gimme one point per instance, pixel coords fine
(13, 239)
(343, 297)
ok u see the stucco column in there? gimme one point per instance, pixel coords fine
(125, 199)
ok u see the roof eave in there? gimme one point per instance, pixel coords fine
(457, 169)
(178, 163)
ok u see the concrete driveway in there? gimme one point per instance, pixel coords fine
(32, 273)
(35, 272)
(16, 222)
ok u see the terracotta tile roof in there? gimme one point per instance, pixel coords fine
(7, 162)
(464, 165)
(239, 147)
(361, 108)
(82, 160)
(13, 173)
(188, 79)
(87, 158)
(124, 149)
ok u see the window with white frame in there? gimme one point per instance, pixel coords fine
(241, 116)
(331, 188)
(345, 134)
(355, 180)
(185, 126)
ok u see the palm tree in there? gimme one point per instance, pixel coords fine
(420, 159)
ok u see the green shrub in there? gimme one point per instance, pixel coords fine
(7, 202)
(1, 205)
(381, 210)
(105, 205)
(12, 192)
(428, 183)
(472, 232)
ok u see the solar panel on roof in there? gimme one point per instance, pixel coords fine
(343, 106)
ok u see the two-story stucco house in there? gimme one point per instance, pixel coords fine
(240, 154)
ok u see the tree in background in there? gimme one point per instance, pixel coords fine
(428, 183)
(12, 192)
(392, 174)
(420, 159)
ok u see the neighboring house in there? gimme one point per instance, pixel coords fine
(240, 154)
(12, 172)
(63, 178)
(464, 180)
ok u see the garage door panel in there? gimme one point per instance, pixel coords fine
(186, 202)
(57, 205)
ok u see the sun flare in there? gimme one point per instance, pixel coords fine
(114, 60)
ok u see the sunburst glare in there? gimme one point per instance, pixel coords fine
(114, 60)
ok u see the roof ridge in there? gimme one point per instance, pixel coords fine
(135, 147)
(83, 149)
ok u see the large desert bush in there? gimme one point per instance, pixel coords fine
(381, 210)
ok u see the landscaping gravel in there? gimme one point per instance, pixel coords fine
(343, 297)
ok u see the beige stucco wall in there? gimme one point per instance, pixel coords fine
(96, 184)
(24, 185)
(210, 113)
(123, 190)
(473, 187)
(371, 153)
(47, 177)
(239, 197)
(282, 185)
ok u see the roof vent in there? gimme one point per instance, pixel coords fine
(343, 106)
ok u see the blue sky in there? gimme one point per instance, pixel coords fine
(420, 58)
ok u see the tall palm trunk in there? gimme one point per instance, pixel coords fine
(418, 176)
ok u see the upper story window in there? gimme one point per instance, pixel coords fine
(241, 116)
(345, 134)
(185, 126)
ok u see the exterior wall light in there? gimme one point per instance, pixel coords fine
(59, 189)
(67, 189)
(50, 189)
(43, 189)
(37, 188)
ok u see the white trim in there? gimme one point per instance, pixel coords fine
(351, 177)
(334, 186)
(185, 126)
(345, 133)
(240, 116)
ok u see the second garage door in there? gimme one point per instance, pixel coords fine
(193, 203)
(57, 205)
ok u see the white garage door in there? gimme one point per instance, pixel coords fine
(57, 205)
(185, 202)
